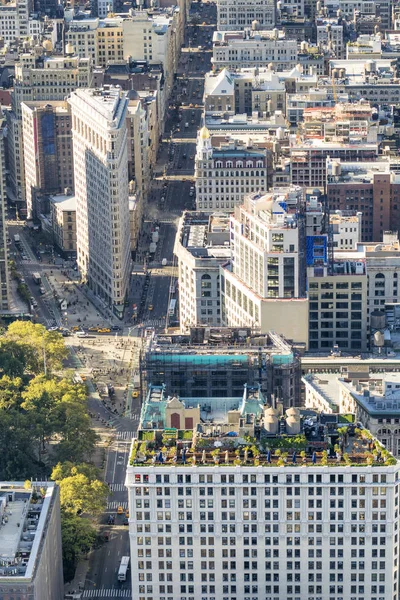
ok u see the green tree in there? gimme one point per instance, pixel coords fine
(10, 392)
(79, 494)
(68, 469)
(78, 536)
(18, 454)
(13, 358)
(39, 345)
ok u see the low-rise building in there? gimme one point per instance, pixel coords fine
(232, 16)
(374, 399)
(201, 246)
(63, 222)
(30, 541)
(227, 168)
(251, 48)
(346, 229)
(330, 34)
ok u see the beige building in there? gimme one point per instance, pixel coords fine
(99, 120)
(63, 222)
(228, 167)
(48, 154)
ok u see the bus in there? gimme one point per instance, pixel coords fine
(123, 568)
(37, 278)
(172, 308)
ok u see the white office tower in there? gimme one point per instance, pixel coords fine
(225, 532)
(264, 286)
(101, 190)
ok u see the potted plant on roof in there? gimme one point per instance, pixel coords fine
(215, 455)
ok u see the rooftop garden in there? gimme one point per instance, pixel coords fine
(183, 447)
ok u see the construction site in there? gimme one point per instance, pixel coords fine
(217, 362)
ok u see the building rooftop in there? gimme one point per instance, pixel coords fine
(109, 102)
(258, 435)
(23, 521)
(65, 202)
(205, 235)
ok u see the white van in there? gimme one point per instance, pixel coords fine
(81, 334)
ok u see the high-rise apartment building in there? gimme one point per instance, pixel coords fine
(41, 78)
(232, 16)
(211, 519)
(48, 154)
(102, 191)
(264, 285)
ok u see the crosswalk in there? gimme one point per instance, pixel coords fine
(125, 435)
(155, 322)
(107, 593)
(114, 505)
(117, 487)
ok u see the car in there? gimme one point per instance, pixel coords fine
(83, 377)
(81, 334)
(93, 328)
(106, 536)
(52, 329)
(191, 193)
(104, 330)
(127, 514)
(135, 394)
(115, 328)
(42, 290)
(150, 307)
(184, 155)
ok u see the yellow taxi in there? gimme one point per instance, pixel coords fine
(120, 510)
(127, 514)
(150, 307)
(135, 394)
(104, 330)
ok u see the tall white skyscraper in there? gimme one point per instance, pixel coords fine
(101, 189)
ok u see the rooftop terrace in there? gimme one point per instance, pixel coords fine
(323, 440)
